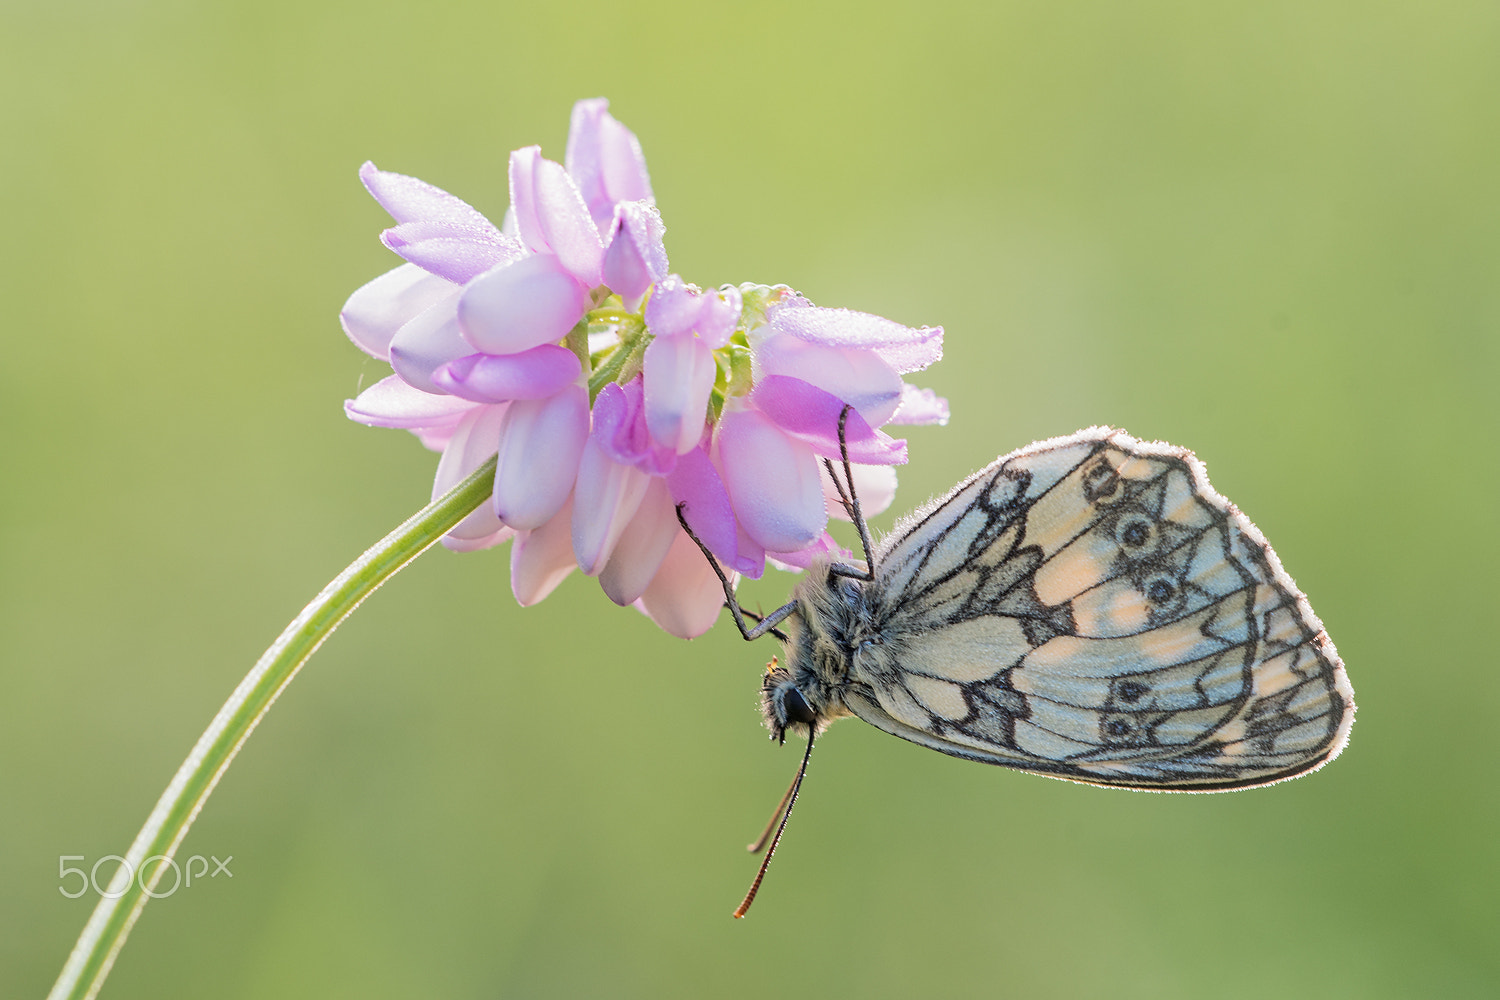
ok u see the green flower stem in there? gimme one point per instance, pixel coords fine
(104, 935)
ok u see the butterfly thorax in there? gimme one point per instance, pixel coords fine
(827, 637)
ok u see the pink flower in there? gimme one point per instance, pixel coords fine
(478, 314)
(809, 364)
(689, 325)
(614, 395)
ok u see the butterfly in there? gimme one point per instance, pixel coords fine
(1085, 608)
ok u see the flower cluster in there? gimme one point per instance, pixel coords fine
(613, 392)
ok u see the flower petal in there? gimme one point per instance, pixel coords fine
(392, 403)
(620, 429)
(605, 160)
(813, 415)
(904, 348)
(697, 485)
(679, 377)
(410, 200)
(825, 548)
(855, 376)
(684, 597)
(493, 378)
(875, 485)
(428, 341)
(564, 218)
(452, 252)
(674, 308)
(540, 559)
(772, 479)
(604, 501)
(541, 442)
(635, 256)
(678, 309)
(920, 406)
(642, 545)
(519, 306)
(377, 309)
(474, 440)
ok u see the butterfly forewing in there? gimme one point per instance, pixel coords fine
(1088, 607)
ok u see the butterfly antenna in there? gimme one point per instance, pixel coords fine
(760, 842)
(850, 501)
(790, 799)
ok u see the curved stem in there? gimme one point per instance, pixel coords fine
(104, 935)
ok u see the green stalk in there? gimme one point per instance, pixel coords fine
(104, 935)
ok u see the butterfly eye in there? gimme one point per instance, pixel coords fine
(795, 707)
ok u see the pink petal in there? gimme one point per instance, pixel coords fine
(410, 200)
(825, 548)
(523, 198)
(697, 485)
(474, 440)
(772, 480)
(721, 314)
(427, 342)
(855, 376)
(635, 256)
(605, 160)
(620, 429)
(875, 485)
(642, 545)
(541, 442)
(813, 415)
(540, 559)
(679, 377)
(904, 348)
(920, 406)
(570, 230)
(604, 501)
(493, 378)
(677, 309)
(449, 251)
(522, 305)
(684, 598)
(377, 309)
(392, 403)
(674, 308)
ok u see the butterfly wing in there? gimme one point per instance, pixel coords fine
(1089, 608)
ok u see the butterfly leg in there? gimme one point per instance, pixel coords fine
(767, 623)
(850, 501)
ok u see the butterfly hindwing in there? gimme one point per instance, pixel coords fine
(1089, 607)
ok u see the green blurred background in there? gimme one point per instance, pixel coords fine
(1269, 232)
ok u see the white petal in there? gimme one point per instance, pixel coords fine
(428, 341)
(473, 442)
(377, 309)
(874, 484)
(604, 501)
(518, 306)
(685, 596)
(642, 546)
(679, 377)
(541, 442)
(542, 558)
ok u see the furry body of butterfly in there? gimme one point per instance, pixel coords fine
(1085, 608)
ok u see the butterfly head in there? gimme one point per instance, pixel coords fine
(783, 704)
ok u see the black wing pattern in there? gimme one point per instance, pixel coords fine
(1089, 608)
